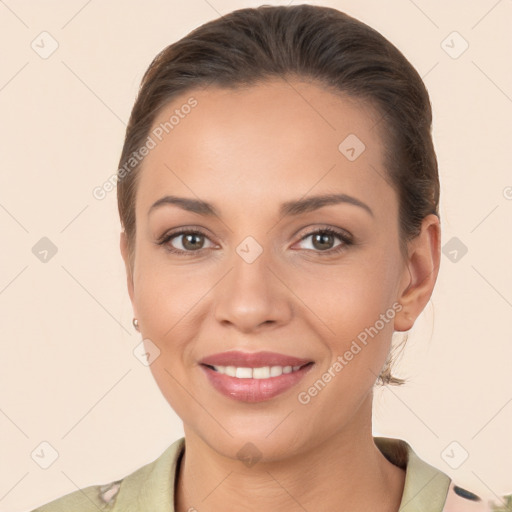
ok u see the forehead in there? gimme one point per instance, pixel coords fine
(281, 139)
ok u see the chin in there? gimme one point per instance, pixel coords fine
(252, 445)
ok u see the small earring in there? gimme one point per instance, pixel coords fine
(135, 323)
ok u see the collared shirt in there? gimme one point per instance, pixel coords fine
(151, 487)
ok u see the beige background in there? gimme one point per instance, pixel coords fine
(68, 374)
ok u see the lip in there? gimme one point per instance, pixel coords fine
(253, 390)
(252, 359)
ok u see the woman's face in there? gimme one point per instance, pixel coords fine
(257, 278)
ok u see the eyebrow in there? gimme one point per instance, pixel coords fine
(288, 208)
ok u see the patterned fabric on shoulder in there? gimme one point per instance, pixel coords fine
(462, 500)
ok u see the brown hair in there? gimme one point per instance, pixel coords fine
(322, 44)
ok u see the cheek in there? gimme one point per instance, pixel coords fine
(355, 307)
(172, 304)
(163, 293)
(351, 296)
(165, 299)
(358, 309)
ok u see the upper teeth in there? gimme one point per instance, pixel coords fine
(255, 373)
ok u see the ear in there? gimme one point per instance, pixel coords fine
(123, 243)
(420, 274)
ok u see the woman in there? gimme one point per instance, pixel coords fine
(278, 192)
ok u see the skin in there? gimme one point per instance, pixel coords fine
(247, 151)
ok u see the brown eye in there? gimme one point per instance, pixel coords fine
(192, 241)
(324, 240)
(184, 241)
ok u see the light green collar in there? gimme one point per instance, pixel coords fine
(426, 487)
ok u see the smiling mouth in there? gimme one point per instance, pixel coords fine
(263, 372)
(254, 376)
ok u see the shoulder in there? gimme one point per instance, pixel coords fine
(144, 489)
(462, 500)
(429, 489)
(88, 499)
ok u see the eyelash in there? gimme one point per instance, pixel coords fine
(343, 236)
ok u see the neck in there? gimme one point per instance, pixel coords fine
(346, 472)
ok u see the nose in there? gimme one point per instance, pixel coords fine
(253, 296)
